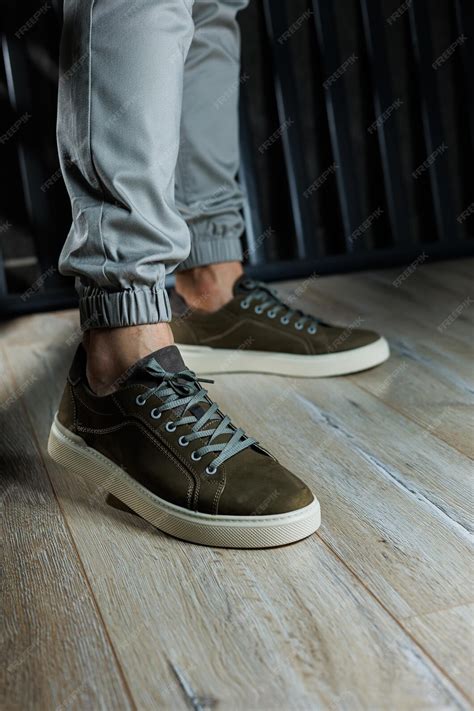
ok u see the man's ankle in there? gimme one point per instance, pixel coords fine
(208, 288)
(112, 351)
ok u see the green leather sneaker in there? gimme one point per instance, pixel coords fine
(162, 447)
(257, 332)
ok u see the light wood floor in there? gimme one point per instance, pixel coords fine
(374, 612)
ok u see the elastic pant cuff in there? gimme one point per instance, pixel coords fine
(132, 307)
(212, 251)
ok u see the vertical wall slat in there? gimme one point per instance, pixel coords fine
(287, 105)
(339, 125)
(387, 130)
(432, 124)
(248, 180)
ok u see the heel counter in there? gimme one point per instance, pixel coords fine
(67, 408)
(182, 332)
(67, 411)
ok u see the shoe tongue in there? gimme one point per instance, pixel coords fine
(169, 358)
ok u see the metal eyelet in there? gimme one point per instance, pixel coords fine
(140, 400)
(258, 310)
(244, 304)
(195, 457)
(271, 313)
(211, 470)
(182, 441)
(155, 413)
(299, 326)
(285, 320)
(170, 427)
(312, 330)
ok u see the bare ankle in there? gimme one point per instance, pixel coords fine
(209, 287)
(111, 351)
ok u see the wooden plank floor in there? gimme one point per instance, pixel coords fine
(374, 612)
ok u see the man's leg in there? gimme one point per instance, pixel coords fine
(208, 193)
(120, 96)
(133, 419)
(230, 323)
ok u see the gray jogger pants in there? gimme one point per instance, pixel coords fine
(148, 144)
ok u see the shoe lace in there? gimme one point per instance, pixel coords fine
(269, 301)
(182, 391)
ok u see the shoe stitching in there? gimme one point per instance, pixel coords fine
(196, 476)
(142, 490)
(195, 472)
(157, 432)
(219, 492)
(179, 465)
(74, 406)
(265, 326)
(91, 409)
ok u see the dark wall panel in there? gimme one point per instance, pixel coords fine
(328, 70)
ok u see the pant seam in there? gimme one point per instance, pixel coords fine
(91, 152)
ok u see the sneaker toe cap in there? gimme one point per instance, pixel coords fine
(268, 490)
(340, 340)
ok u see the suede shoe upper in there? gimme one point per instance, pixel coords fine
(167, 434)
(256, 319)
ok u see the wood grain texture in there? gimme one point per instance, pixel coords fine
(454, 650)
(429, 377)
(372, 613)
(442, 405)
(382, 507)
(55, 650)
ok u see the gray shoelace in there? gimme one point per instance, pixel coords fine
(269, 301)
(181, 390)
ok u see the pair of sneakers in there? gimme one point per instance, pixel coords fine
(165, 449)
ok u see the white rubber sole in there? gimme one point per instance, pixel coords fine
(74, 454)
(203, 359)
